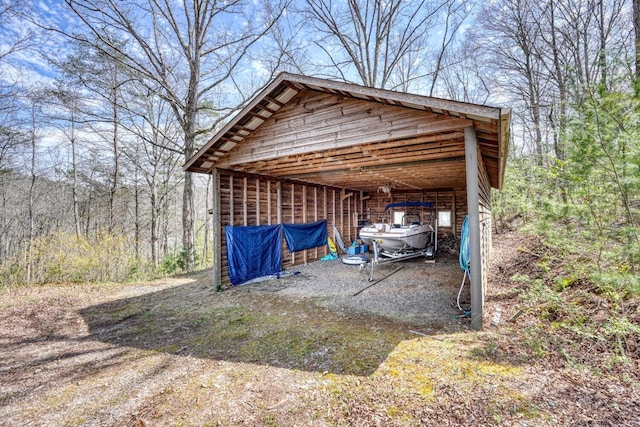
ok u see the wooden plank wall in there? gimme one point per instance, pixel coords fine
(248, 199)
(485, 221)
(314, 121)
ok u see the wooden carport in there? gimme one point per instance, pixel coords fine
(307, 148)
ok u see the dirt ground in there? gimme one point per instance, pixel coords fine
(322, 347)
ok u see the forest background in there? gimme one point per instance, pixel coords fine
(101, 102)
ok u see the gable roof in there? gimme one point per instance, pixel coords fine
(324, 131)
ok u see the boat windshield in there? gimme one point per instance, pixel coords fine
(411, 219)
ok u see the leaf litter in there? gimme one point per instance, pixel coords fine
(301, 350)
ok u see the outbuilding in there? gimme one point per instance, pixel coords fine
(307, 149)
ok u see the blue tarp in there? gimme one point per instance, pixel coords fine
(253, 251)
(305, 236)
(410, 204)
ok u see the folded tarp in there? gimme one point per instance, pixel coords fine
(305, 236)
(253, 251)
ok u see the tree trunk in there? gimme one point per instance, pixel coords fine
(207, 221)
(154, 221)
(74, 188)
(636, 27)
(562, 91)
(31, 225)
(116, 163)
(602, 57)
(137, 217)
(191, 118)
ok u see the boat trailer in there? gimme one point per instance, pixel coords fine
(380, 256)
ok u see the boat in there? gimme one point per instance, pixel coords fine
(411, 236)
(392, 237)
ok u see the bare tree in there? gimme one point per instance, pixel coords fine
(11, 136)
(384, 43)
(14, 42)
(67, 106)
(466, 76)
(156, 159)
(32, 170)
(104, 79)
(549, 55)
(510, 30)
(636, 28)
(183, 51)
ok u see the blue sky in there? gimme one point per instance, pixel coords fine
(28, 65)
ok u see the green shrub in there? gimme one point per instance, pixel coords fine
(171, 263)
(65, 257)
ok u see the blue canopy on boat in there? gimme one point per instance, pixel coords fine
(409, 204)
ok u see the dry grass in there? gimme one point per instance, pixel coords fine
(176, 353)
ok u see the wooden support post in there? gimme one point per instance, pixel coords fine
(279, 202)
(232, 208)
(293, 216)
(217, 229)
(315, 215)
(305, 255)
(473, 210)
(342, 197)
(326, 215)
(244, 202)
(269, 202)
(334, 212)
(349, 220)
(453, 213)
(257, 201)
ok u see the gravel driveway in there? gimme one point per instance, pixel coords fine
(416, 291)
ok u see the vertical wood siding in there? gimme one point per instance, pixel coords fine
(485, 221)
(247, 199)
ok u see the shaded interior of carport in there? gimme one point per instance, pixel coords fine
(306, 149)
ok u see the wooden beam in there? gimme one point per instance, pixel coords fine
(242, 128)
(293, 216)
(259, 116)
(400, 165)
(269, 202)
(279, 202)
(267, 109)
(333, 200)
(325, 213)
(284, 180)
(453, 213)
(315, 213)
(304, 219)
(216, 230)
(257, 201)
(244, 202)
(275, 101)
(349, 218)
(342, 199)
(232, 208)
(293, 86)
(240, 135)
(473, 210)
